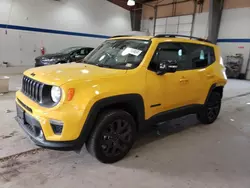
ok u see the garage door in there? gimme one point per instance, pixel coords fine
(174, 25)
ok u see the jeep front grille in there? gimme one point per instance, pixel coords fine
(32, 89)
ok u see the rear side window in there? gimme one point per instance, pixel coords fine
(200, 56)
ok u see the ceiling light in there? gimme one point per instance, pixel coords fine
(131, 3)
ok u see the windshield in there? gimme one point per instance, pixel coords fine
(121, 53)
(68, 50)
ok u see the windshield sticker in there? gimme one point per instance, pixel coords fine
(131, 51)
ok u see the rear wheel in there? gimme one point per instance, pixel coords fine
(113, 136)
(211, 109)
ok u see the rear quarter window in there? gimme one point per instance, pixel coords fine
(200, 56)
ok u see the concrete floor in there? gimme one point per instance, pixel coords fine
(179, 153)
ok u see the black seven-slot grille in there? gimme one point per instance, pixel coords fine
(32, 89)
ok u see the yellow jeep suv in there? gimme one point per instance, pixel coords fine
(124, 84)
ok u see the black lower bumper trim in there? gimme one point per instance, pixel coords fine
(40, 141)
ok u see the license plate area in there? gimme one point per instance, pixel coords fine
(20, 113)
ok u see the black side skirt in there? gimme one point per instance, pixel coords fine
(175, 113)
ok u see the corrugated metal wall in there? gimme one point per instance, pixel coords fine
(174, 25)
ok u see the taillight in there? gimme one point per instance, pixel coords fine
(221, 61)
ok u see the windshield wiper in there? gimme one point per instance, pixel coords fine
(104, 65)
(96, 64)
(84, 61)
(89, 63)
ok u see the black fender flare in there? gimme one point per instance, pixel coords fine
(209, 92)
(212, 88)
(135, 100)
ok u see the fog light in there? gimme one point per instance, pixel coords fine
(40, 134)
(57, 126)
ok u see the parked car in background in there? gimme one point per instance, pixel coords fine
(72, 54)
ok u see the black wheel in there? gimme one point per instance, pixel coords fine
(113, 136)
(211, 110)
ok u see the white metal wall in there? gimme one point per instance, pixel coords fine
(179, 25)
(19, 48)
(147, 26)
(201, 25)
(235, 24)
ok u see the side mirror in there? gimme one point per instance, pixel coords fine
(167, 66)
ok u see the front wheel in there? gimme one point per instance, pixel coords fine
(112, 137)
(211, 110)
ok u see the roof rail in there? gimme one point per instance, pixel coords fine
(185, 36)
(116, 36)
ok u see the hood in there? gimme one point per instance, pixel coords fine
(60, 74)
(50, 56)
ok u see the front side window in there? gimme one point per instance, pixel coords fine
(171, 52)
(120, 53)
(187, 55)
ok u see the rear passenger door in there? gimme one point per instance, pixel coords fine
(194, 75)
(201, 57)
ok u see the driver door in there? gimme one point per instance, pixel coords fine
(167, 92)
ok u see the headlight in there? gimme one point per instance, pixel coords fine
(56, 94)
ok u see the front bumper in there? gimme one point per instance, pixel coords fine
(33, 129)
(38, 123)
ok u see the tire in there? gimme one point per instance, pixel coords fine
(211, 109)
(113, 136)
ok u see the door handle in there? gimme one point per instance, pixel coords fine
(183, 80)
(210, 75)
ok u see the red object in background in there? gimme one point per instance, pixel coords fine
(42, 50)
(241, 47)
